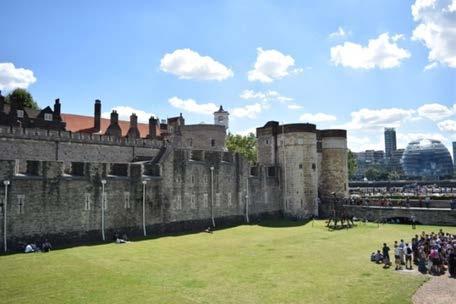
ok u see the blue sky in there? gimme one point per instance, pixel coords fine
(357, 64)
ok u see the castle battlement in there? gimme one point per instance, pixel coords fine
(79, 137)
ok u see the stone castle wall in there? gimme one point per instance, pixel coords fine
(183, 196)
(38, 144)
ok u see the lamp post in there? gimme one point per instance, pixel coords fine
(212, 196)
(5, 245)
(103, 206)
(144, 207)
(247, 202)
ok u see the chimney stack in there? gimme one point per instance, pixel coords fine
(57, 110)
(154, 127)
(114, 117)
(133, 120)
(97, 116)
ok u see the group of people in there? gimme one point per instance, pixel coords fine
(433, 253)
(33, 247)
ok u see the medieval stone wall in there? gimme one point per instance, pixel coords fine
(67, 209)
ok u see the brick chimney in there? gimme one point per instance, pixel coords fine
(114, 117)
(57, 110)
(154, 127)
(97, 116)
(133, 121)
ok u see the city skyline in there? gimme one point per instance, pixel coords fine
(379, 69)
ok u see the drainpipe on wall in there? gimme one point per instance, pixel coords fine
(5, 245)
(144, 207)
(212, 196)
(247, 202)
(103, 206)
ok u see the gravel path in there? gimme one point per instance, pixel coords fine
(438, 290)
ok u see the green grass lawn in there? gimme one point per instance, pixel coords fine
(246, 264)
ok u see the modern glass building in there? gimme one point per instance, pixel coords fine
(390, 142)
(427, 159)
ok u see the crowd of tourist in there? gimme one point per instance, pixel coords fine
(33, 247)
(432, 253)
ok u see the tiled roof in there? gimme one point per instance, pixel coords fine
(80, 123)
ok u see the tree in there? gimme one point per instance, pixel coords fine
(23, 97)
(352, 164)
(372, 173)
(244, 145)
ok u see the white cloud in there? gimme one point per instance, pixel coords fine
(264, 96)
(436, 111)
(248, 111)
(316, 118)
(365, 119)
(271, 65)
(381, 52)
(12, 78)
(269, 96)
(340, 33)
(188, 64)
(436, 29)
(447, 125)
(362, 142)
(190, 105)
(293, 106)
(246, 131)
(125, 112)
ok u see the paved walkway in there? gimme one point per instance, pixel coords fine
(438, 290)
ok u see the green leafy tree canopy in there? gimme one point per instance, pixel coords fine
(352, 165)
(23, 97)
(244, 145)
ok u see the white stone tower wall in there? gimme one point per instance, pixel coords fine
(334, 167)
(299, 172)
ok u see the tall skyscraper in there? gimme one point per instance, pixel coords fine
(454, 155)
(390, 142)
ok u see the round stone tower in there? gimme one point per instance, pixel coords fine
(297, 156)
(334, 168)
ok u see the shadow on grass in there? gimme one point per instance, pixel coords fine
(270, 223)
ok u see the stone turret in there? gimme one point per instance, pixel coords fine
(114, 128)
(133, 131)
(334, 167)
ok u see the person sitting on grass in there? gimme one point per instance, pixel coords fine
(378, 257)
(46, 246)
(29, 248)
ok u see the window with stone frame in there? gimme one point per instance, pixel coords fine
(119, 170)
(77, 169)
(87, 201)
(228, 198)
(20, 113)
(213, 142)
(33, 168)
(192, 201)
(205, 200)
(218, 199)
(48, 116)
(127, 200)
(178, 202)
(20, 204)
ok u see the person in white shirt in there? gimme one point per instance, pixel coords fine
(28, 248)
